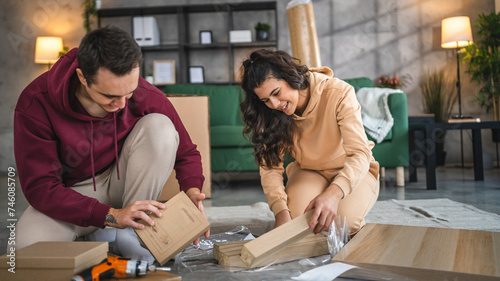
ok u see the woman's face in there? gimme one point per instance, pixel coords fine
(278, 95)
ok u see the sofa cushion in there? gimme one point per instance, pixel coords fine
(228, 136)
(358, 83)
(224, 101)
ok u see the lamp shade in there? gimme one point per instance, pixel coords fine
(456, 32)
(47, 49)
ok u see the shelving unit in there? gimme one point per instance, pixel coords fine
(181, 42)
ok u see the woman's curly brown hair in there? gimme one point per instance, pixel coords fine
(271, 131)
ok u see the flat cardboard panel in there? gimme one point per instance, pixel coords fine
(194, 113)
(53, 260)
(441, 249)
(181, 223)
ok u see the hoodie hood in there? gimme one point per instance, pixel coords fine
(317, 81)
(62, 81)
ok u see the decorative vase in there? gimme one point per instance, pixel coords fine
(262, 35)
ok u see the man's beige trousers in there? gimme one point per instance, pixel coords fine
(145, 162)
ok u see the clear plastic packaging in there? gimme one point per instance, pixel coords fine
(338, 235)
(294, 3)
(196, 262)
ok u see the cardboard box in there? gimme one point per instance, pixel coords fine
(240, 36)
(181, 223)
(194, 113)
(52, 260)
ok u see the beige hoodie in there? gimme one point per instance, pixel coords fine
(331, 137)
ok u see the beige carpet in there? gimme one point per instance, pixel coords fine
(431, 213)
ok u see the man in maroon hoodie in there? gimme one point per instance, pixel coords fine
(95, 143)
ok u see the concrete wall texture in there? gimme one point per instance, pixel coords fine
(357, 38)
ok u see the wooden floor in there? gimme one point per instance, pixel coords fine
(452, 250)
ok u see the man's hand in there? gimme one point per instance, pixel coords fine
(128, 216)
(196, 196)
(282, 218)
(326, 206)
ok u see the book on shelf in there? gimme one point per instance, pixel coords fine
(465, 120)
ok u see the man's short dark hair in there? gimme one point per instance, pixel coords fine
(108, 47)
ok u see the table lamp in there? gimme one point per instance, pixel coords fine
(47, 49)
(456, 33)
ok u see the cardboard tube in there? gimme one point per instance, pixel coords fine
(303, 35)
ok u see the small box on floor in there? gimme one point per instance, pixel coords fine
(51, 260)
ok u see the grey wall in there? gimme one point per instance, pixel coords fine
(357, 38)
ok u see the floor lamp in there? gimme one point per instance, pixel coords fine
(456, 33)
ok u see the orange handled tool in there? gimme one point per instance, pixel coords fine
(116, 267)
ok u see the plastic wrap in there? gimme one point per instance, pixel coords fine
(294, 3)
(338, 235)
(196, 262)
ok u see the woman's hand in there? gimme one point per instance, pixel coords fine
(325, 208)
(128, 216)
(282, 218)
(196, 196)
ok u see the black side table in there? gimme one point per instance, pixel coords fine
(417, 147)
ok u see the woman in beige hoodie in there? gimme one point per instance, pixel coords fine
(316, 118)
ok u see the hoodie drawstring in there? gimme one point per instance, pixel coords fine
(92, 152)
(115, 139)
(116, 148)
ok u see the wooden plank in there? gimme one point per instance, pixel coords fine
(417, 274)
(454, 250)
(310, 246)
(275, 240)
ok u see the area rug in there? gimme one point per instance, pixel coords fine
(430, 213)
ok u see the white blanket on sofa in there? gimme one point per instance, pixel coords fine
(375, 113)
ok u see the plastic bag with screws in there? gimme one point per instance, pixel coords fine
(338, 235)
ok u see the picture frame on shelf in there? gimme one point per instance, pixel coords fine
(163, 72)
(206, 37)
(196, 74)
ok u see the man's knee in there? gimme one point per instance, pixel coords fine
(159, 127)
(34, 227)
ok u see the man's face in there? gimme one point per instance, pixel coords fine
(110, 91)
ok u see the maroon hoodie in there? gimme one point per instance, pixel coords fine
(57, 143)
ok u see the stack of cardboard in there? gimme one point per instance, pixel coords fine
(52, 260)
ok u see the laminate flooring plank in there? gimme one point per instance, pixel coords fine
(441, 249)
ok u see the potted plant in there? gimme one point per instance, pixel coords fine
(262, 31)
(89, 12)
(438, 92)
(483, 64)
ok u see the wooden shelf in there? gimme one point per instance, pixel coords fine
(185, 51)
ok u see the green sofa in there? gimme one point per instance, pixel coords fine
(230, 151)
(392, 152)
